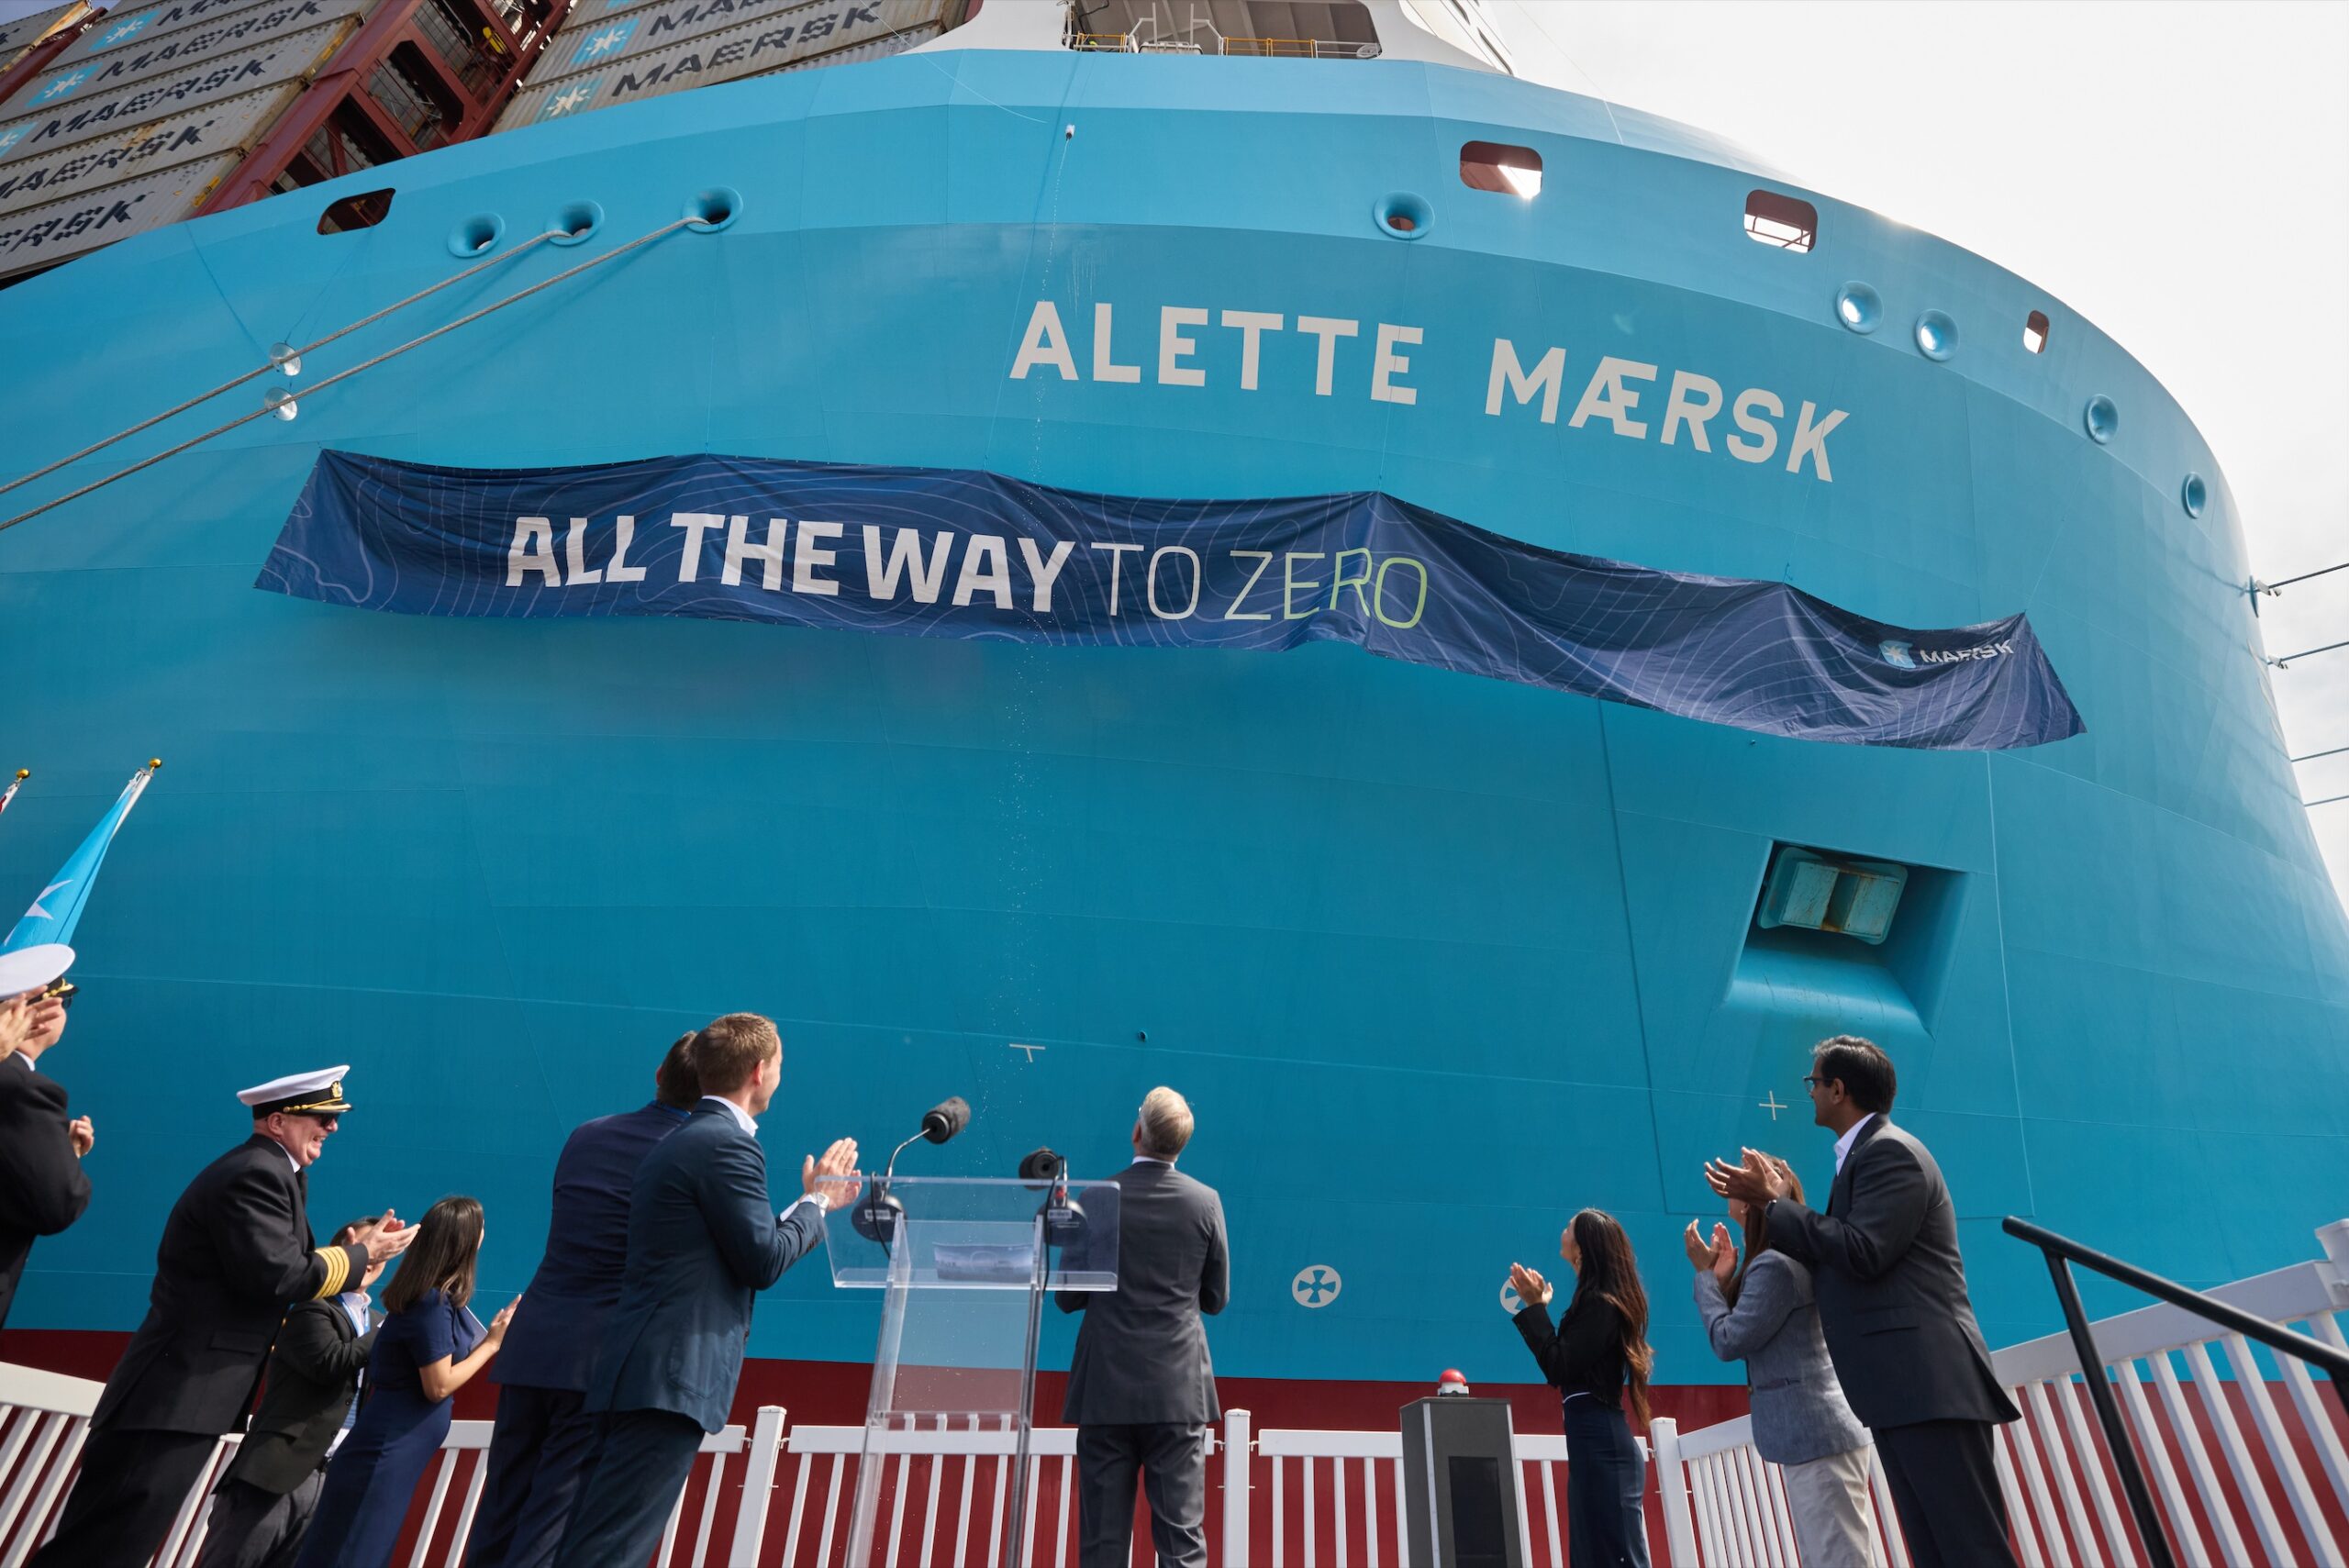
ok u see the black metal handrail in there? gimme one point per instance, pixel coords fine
(2061, 1252)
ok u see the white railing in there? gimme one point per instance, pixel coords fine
(946, 1487)
(44, 1419)
(946, 1491)
(1363, 1474)
(1723, 1504)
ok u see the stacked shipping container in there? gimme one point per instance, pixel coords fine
(115, 122)
(617, 52)
(153, 114)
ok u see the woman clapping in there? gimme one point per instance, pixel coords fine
(1761, 1310)
(1598, 1353)
(429, 1347)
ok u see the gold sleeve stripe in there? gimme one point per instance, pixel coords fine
(338, 1272)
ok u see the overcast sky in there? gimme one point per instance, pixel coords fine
(2177, 173)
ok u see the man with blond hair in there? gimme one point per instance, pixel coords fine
(1142, 1386)
(703, 1241)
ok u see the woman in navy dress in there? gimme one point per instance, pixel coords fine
(429, 1347)
(1596, 1354)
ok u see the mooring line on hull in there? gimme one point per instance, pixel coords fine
(232, 384)
(265, 411)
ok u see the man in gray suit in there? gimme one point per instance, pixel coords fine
(1142, 1386)
(1892, 1298)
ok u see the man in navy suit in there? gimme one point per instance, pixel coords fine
(543, 1437)
(703, 1240)
(1893, 1301)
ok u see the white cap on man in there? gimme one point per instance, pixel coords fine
(299, 1093)
(30, 968)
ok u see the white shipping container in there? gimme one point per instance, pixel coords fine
(20, 33)
(72, 121)
(141, 58)
(44, 236)
(119, 27)
(596, 36)
(230, 126)
(800, 33)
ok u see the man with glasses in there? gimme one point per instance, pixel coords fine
(1892, 1299)
(236, 1251)
(42, 1186)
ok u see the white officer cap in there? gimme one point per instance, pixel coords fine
(316, 1094)
(28, 967)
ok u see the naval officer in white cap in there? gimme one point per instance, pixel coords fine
(42, 1187)
(236, 1251)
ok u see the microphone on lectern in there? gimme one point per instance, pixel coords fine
(944, 1119)
(1064, 1218)
(876, 1213)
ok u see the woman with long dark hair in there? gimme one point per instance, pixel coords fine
(1761, 1309)
(1596, 1354)
(430, 1345)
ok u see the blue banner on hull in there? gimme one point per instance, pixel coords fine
(944, 552)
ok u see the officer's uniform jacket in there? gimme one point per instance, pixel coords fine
(42, 1187)
(236, 1251)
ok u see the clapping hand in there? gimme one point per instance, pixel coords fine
(384, 1239)
(1531, 1287)
(1755, 1180)
(85, 1136)
(16, 1025)
(498, 1324)
(834, 1176)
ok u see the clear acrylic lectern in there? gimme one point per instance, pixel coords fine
(965, 1266)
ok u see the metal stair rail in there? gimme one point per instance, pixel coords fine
(2259, 1310)
(2059, 1470)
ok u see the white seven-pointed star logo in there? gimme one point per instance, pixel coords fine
(36, 912)
(606, 42)
(64, 85)
(570, 100)
(125, 30)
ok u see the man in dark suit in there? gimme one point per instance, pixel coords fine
(543, 1436)
(703, 1240)
(236, 1250)
(1141, 1386)
(263, 1506)
(1892, 1299)
(42, 1186)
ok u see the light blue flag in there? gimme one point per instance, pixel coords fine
(58, 910)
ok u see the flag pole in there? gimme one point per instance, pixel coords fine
(57, 908)
(18, 782)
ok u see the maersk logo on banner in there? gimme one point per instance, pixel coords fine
(13, 135)
(577, 95)
(961, 553)
(1909, 656)
(604, 42)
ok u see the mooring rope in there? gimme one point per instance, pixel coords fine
(316, 387)
(233, 383)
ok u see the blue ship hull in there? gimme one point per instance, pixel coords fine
(1438, 960)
